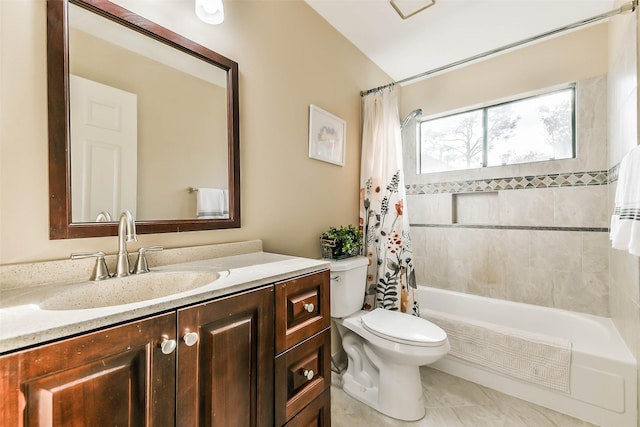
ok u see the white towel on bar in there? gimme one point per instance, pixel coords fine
(212, 203)
(625, 221)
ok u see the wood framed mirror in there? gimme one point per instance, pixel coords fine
(196, 90)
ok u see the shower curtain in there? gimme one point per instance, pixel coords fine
(383, 219)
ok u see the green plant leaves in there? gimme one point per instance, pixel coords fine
(346, 240)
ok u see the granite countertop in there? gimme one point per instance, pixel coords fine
(24, 323)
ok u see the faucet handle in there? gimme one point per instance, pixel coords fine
(100, 271)
(141, 262)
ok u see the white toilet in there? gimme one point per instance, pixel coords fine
(384, 348)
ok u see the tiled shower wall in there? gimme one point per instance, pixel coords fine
(534, 233)
(623, 136)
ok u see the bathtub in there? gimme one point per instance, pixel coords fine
(602, 372)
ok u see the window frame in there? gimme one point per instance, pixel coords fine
(484, 109)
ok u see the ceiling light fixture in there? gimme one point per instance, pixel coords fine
(408, 8)
(210, 11)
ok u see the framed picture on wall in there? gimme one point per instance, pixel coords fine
(326, 136)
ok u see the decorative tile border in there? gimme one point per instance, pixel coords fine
(572, 179)
(613, 173)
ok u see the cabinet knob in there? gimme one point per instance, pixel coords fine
(308, 374)
(309, 307)
(168, 346)
(190, 338)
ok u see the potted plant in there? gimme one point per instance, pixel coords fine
(341, 242)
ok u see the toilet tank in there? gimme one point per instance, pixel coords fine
(348, 283)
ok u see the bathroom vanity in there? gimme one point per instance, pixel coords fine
(252, 348)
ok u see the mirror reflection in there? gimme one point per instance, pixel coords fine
(148, 126)
(139, 116)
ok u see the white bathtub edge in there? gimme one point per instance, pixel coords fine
(610, 365)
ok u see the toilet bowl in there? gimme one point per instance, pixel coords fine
(384, 348)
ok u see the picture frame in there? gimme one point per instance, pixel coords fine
(326, 136)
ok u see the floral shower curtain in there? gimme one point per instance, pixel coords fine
(385, 225)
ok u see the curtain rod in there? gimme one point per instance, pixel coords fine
(627, 7)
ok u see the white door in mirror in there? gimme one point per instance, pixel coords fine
(104, 149)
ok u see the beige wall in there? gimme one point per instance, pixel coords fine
(623, 136)
(288, 57)
(562, 59)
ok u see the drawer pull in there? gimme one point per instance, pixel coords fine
(309, 307)
(308, 374)
(190, 338)
(168, 346)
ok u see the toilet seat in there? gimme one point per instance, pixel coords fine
(403, 328)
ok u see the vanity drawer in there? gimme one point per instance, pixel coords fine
(301, 375)
(302, 309)
(316, 414)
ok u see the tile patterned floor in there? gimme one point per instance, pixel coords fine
(453, 402)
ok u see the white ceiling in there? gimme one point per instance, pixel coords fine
(449, 31)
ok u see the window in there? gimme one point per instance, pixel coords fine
(531, 129)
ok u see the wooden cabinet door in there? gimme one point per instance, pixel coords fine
(301, 375)
(114, 377)
(302, 309)
(315, 414)
(225, 378)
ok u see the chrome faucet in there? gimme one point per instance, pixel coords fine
(126, 233)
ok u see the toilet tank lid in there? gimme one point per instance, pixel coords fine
(402, 327)
(348, 263)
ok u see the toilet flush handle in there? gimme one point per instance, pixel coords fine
(336, 278)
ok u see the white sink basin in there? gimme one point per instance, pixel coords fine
(127, 290)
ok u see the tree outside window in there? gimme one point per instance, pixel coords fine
(526, 130)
